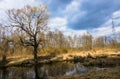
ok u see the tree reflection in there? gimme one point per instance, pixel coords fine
(4, 72)
(36, 71)
(40, 72)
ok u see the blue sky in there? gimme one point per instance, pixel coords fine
(75, 16)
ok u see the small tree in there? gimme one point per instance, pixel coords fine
(31, 23)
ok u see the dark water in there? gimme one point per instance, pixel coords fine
(43, 72)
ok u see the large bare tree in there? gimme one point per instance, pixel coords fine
(31, 23)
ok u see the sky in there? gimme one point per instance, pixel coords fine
(75, 16)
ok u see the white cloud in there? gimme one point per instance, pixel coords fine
(102, 31)
(73, 10)
(61, 25)
(8, 4)
(117, 29)
(116, 19)
(74, 32)
(73, 7)
(116, 14)
(58, 23)
(106, 28)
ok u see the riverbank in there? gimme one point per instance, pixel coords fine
(108, 57)
(107, 73)
(109, 60)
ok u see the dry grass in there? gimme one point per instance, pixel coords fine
(65, 53)
(92, 53)
(57, 55)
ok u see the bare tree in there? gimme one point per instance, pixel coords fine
(31, 22)
(4, 42)
(87, 41)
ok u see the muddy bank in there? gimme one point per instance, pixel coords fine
(108, 73)
(99, 61)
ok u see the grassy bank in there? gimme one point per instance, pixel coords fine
(104, 57)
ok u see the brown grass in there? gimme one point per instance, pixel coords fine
(63, 55)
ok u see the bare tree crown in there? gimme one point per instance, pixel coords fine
(31, 21)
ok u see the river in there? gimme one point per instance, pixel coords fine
(43, 72)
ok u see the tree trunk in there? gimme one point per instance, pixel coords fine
(35, 55)
(36, 62)
(3, 59)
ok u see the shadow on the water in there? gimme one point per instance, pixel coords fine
(23, 73)
(36, 72)
(39, 74)
(4, 72)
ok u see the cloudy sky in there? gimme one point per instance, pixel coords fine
(75, 16)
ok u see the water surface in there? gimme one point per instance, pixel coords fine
(45, 71)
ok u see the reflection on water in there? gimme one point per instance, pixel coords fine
(42, 72)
